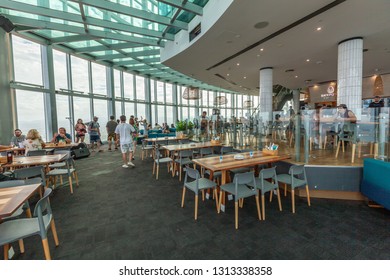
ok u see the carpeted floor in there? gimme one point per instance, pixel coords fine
(119, 213)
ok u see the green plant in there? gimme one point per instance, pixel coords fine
(181, 126)
(190, 125)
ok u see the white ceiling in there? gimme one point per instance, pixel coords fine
(235, 31)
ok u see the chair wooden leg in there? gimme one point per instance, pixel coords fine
(21, 246)
(157, 171)
(202, 195)
(180, 170)
(279, 201)
(154, 168)
(196, 206)
(263, 206)
(343, 146)
(221, 194)
(293, 200)
(308, 195)
(28, 212)
(371, 148)
(270, 196)
(183, 196)
(46, 249)
(70, 184)
(353, 152)
(215, 194)
(258, 206)
(54, 231)
(61, 180)
(236, 214)
(338, 149)
(6, 248)
(285, 189)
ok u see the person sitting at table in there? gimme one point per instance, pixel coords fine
(17, 138)
(62, 136)
(33, 141)
(344, 114)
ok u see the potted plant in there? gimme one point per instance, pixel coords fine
(181, 126)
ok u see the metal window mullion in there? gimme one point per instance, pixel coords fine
(91, 107)
(70, 87)
(110, 86)
(122, 93)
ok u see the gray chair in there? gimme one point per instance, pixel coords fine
(36, 153)
(19, 229)
(183, 159)
(70, 170)
(267, 182)
(158, 159)
(19, 211)
(61, 164)
(240, 191)
(32, 175)
(296, 178)
(146, 148)
(197, 184)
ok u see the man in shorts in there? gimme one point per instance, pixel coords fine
(124, 136)
(94, 133)
(111, 126)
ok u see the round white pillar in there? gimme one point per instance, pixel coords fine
(265, 92)
(350, 73)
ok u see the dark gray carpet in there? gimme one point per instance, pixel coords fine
(119, 213)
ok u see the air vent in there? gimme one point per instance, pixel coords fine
(195, 32)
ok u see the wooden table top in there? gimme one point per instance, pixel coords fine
(13, 197)
(157, 139)
(35, 160)
(190, 146)
(228, 161)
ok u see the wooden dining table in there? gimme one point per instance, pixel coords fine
(228, 162)
(19, 162)
(13, 197)
(160, 139)
(190, 146)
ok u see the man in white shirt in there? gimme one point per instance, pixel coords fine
(124, 135)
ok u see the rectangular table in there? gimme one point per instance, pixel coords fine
(190, 146)
(159, 139)
(35, 160)
(13, 197)
(228, 163)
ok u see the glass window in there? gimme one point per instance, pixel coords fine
(141, 110)
(60, 73)
(211, 99)
(80, 74)
(31, 112)
(160, 91)
(27, 61)
(118, 109)
(154, 115)
(161, 114)
(191, 113)
(168, 93)
(152, 90)
(169, 117)
(129, 109)
(63, 114)
(99, 79)
(128, 80)
(117, 83)
(100, 109)
(140, 88)
(81, 109)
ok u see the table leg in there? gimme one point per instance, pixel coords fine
(223, 181)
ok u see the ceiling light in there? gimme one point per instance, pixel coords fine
(296, 76)
(227, 74)
(307, 60)
(244, 77)
(261, 49)
(319, 28)
(238, 64)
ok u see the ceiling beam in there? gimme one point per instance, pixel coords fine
(74, 29)
(120, 55)
(133, 12)
(114, 47)
(85, 20)
(188, 6)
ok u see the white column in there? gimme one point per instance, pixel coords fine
(265, 93)
(349, 73)
(296, 96)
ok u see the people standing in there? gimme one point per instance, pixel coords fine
(111, 126)
(94, 133)
(124, 136)
(80, 129)
(133, 123)
(17, 138)
(375, 105)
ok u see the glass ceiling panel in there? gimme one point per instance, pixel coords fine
(53, 33)
(103, 53)
(83, 44)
